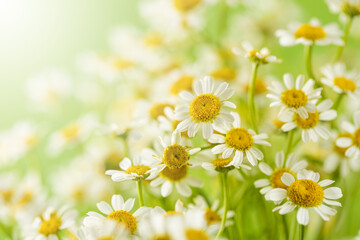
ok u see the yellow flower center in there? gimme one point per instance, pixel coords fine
(351, 9)
(185, 5)
(158, 110)
(51, 226)
(357, 137)
(339, 150)
(239, 138)
(260, 87)
(121, 64)
(194, 234)
(153, 40)
(26, 198)
(310, 122)
(310, 32)
(7, 195)
(224, 73)
(275, 177)
(31, 140)
(125, 218)
(278, 124)
(305, 193)
(112, 160)
(294, 98)
(175, 156)
(221, 162)
(345, 84)
(106, 238)
(175, 174)
(138, 169)
(182, 84)
(172, 213)
(205, 108)
(70, 132)
(211, 216)
(161, 237)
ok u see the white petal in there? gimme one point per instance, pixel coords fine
(303, 216)
(277, 194)
(265, 168)
(166, 189)
(333, 193)
(104, 207)
(287, 179)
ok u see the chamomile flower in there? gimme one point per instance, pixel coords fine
(337, 158)
(297, 96)
(239, 142)
(118, 211)
(306, 192)
(213, 213)
(292, 166)
(138, 169)
(350, 8)
(310, 33)
(221, 165)
(261, 56)
(340, 80)
(107, 230)
(206, 109)
(51, 223)
(172, 153)
(352, 141)
(311, 127)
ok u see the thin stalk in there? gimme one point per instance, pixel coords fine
(345, 38)
(308, 61)
(301, 232)
(286, 230)
(289, 143)
(226, 203)
(140, 192)
(252, 108)
(338, 101)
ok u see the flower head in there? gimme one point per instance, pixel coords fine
(310, 33)
(258, 56)
(306, 192)
(350, 8)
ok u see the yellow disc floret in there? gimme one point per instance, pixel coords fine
(158, 110)
(310, 32)
(138, 169)
(294, 98)
(305, 193)
(345, 84)
(205, 108)
(175, 174)
(125, 218)
(71, 131)
(211, 216)
(275, 177)
(161, 237)
(106, 238)
(194, 234)
(185, 5)
(340, 150)
(239, 138)
(351, 9)
(182, 84)
(175, 156)
(224, 73)
(310, 122)
(221, 162)
(50, 226)
(356, 137)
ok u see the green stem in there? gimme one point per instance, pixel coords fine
(308, 61)
(252, 109)
(224, 186)
(301, 232)
(345, 38)
(286, 230)
(338, 101)
(140, 192)
(289, 143)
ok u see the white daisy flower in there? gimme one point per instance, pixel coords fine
(338, 160)
(118, 211)
(349, 8)
(352, 142)
(292, 166)
(297, 96)
(311, 127)
(51, 223)
(206, 109)
(306, 192)
(222, 165)
(173, 153)
(310, 33)
(105, 230)
(340, 80)
(239, 142)
(138, 169)
(214, 212)
(258, 56)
